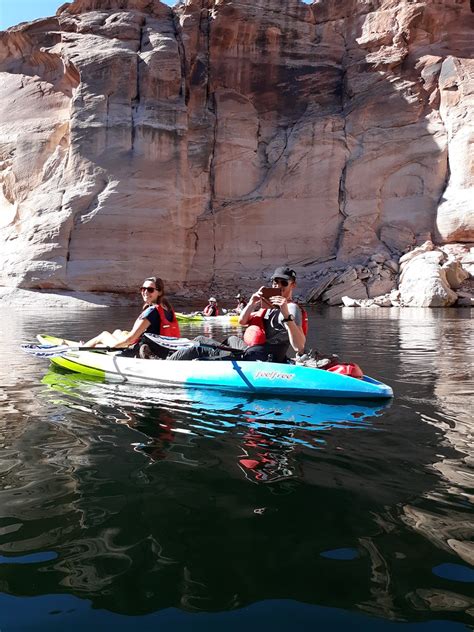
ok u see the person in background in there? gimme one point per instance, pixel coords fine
(241, 303)
(157, 317)
(211, 308)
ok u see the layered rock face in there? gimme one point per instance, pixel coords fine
(210, 142)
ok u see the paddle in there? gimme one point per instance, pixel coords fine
(53, 351)
(172, 344)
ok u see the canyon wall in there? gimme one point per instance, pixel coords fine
(210, 142)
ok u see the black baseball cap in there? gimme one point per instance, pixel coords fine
(284, 272)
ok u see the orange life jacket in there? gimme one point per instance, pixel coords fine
(255, 333)
(168, 327)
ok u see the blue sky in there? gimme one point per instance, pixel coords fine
(15, 11)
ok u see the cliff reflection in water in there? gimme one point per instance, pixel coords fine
(209, 502)
(444, 514)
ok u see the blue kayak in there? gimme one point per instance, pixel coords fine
(263, 378)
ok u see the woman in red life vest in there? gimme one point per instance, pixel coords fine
(211, 308)
(278, 324)
(157, 317)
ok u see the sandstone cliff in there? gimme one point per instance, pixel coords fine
(209, 142)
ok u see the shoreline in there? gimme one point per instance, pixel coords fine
(67, 299)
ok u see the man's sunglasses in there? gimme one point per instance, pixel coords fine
(148, 289)
(282, 282)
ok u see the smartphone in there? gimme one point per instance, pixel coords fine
(267, 292)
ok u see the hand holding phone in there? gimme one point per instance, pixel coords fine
(268, 292)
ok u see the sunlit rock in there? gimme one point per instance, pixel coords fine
(210, 145)
(423, 283)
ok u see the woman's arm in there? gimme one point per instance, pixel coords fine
(128, 338)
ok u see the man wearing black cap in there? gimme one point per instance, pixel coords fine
(277, 325)
(271, 330)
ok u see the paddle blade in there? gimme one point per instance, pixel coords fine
(45, 351)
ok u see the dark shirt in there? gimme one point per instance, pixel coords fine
(278, 341)
(275, 330)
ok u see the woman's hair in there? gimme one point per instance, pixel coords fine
(161, 287)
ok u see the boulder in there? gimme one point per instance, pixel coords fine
(348, 275)
(424, 284)
(379, 257)
(321, 284)
(395, 296)
(434, 256)
(377, 287)
(355, 289)
(347, 301)
(398, 239)
(455, 274)
(383, 301)
(467, 262)
(465, 301)
(392, 266)
(427, 246)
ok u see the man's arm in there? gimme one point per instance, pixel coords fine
(295, 332)
(247, 311)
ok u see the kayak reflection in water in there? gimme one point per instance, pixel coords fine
(157, 317)
(274, 323)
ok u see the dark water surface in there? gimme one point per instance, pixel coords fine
(170, 510)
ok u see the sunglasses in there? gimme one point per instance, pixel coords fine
(282, 282)
(148, 289)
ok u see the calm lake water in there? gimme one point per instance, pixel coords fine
(170, 510)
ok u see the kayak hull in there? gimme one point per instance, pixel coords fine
(227, 375)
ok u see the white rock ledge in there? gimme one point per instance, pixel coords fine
(53, 299)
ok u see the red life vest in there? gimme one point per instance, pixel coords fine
(255, 332)
(168, 327)
(350, 369)
(304, 319)
(207, 311)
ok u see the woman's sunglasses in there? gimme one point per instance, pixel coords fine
(282, 282)
(148, 289)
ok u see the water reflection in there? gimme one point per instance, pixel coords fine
(183, 526)
(141, 500)
(265, 431)
(444, 514)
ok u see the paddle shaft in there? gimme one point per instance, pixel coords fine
(51, 351)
